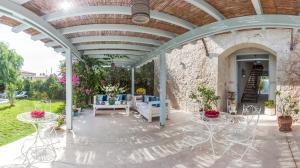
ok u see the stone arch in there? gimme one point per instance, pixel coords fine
(226, 66)
(240, 46)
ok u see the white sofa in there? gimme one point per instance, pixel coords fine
(147, 109)
(117, 105)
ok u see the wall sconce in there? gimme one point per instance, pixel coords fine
(243, 73)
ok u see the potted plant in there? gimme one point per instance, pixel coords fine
(269, 107)
(206, 96)
(112, 91)
(141, 91)
(60, 121)
(75, 112)
(287, 108)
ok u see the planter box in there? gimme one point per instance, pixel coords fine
(269, 111)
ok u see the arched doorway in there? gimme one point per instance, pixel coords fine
(241, 70)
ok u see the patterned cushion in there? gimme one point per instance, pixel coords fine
(100, 99)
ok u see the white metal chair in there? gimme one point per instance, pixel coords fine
(242, 131)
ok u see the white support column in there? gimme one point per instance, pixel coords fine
(162, 88)
(69, 102)
(132, 82)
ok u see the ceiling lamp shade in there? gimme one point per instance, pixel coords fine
(140, 11)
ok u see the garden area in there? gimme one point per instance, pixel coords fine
(11, 129)
(90, 77)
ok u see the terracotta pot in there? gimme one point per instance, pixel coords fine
(285, 123)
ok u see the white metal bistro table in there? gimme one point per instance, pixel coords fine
(213, 125)
(41, 149)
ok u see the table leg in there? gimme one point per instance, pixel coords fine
(32, 154)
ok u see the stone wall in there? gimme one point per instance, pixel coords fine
(189, 66)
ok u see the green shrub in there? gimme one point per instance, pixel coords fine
(269, 104)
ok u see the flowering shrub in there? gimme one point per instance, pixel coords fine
(141, 91)
(75, 80)
(113, 90)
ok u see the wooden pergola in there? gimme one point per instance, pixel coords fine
(99, 27)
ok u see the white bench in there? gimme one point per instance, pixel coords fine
(148, 110)
(116, 106)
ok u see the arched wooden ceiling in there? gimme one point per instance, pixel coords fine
(105, 25)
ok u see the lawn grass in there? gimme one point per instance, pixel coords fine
(10, 128)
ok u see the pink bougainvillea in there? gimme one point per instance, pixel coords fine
(75, 80)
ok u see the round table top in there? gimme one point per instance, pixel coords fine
(26, 118)
(222, 119)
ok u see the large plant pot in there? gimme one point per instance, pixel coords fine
(111, 101)
(285, 123)
(269, 111)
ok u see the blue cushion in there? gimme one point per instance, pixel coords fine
(104, 98)
(155, 99)
(124, 96)
(151, 98)
(99, 99)
(119, 97)
(145, 99)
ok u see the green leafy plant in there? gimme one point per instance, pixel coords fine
(261, 85)
(60, 121)
(206, 96)
(286, 105)
(113, 90)
(269, 104)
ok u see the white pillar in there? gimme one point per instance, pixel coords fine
(69, 89)
(162, 88)
(132, 82)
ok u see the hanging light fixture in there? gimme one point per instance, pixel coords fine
(140, 11)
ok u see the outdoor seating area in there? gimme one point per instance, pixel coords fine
(150, 84)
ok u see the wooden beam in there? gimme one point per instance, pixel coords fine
(257, 6)
(20, 1)
(111, 27)
(206, 7)
(86, 39)
(114, 52)
(114, 46)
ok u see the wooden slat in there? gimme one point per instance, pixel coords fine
(287, 7)
(231, 9)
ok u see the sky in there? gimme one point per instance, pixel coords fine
(37, 57)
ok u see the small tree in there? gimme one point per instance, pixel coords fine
(206, 96)
(10, 92)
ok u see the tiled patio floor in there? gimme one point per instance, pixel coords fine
(113, 140)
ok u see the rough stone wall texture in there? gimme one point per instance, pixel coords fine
(189, 66)
(289, 84)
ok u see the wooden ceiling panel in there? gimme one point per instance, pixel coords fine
(287, 7)
(9, 21)
(42, 7)
(183, 10)
(32, 31)
(233, 8)
(117, 33)
(114, 19)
